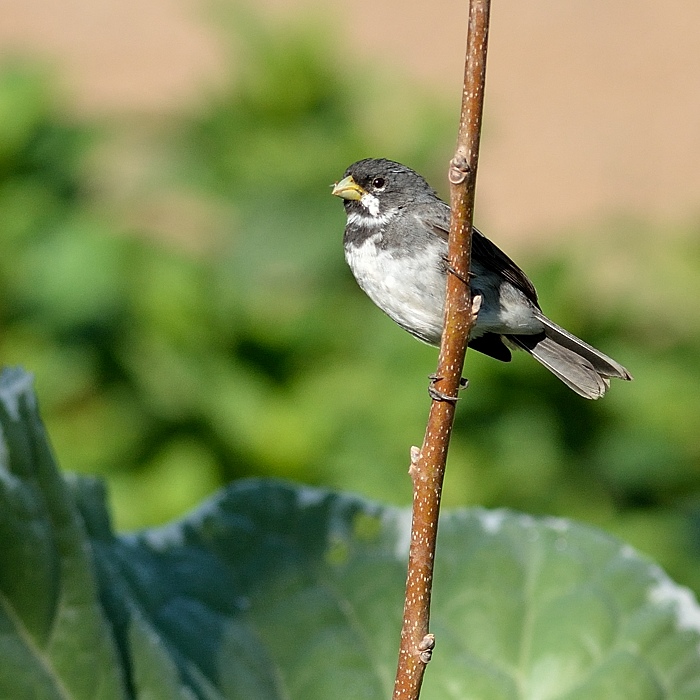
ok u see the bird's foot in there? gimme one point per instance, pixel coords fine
(451, 269)
(438, 395)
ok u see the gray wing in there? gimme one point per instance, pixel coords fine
(486, 253)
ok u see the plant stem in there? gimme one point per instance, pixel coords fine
(428, 464)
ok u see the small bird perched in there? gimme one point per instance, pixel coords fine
(396, 245)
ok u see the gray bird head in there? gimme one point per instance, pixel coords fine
(375, 189)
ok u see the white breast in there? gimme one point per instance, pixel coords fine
(409, 289)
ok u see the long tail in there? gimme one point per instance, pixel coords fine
(580, 366)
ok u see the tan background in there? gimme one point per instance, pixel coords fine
(593, 106)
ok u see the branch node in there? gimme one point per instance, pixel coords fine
(476, 306)
(425, 647)
(459, 169)
(415, 456)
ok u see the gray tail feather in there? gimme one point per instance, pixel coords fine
(579, 365)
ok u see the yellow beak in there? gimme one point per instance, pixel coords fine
(347, 188)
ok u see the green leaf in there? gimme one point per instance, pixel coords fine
(272, 590)
(55, 640)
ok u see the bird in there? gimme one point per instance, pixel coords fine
(395, 242)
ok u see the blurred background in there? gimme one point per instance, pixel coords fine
(172, 267)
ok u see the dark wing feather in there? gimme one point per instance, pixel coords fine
(489, 255)
(491, 344)
(493, 258)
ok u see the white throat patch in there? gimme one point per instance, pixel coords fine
(370, 203)
(369, 220)
(371, 216)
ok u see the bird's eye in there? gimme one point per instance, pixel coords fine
(378, 183)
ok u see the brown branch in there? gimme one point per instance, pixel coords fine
(428, 464)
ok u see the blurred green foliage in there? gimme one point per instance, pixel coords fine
(173, 368)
